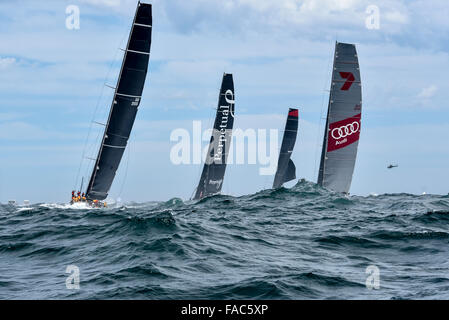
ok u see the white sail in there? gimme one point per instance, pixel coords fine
(343, 124)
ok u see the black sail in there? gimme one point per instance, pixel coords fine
(211, 180)
(124, 106)
(286, 170)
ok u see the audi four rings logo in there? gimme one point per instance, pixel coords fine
(345, 131)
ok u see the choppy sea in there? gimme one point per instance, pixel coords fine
(298, 243)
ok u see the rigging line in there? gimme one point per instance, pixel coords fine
(94, 114)
(329, 111)
(126, 169)
(326, 77)
(88, 134)
(266, 183)
(91, 151)
(200, 167)
(93, 118)
(111, 110)
(268, 179)
(212, 112)
(193, 193)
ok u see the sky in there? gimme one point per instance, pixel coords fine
(280, 53)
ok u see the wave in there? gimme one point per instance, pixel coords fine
(303, 242)
(402, 235)
(350, 240)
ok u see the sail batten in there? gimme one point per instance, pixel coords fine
(212, 176)
(286, 170)
(127, 97)
(343, 121)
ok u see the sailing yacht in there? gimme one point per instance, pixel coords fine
(343, 122)
(212, 176)
(286, 170)
(126, 101)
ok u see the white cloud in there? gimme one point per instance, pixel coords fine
(20, 130)
(396, 17)
(280, 53)
(150, 148)
(428, 92)
(6, 62)
(307, 18)
(108, 3)
(8, 116)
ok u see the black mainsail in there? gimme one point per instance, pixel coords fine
(127, 97)
(211, 180)
(286, 170)
(342, 131)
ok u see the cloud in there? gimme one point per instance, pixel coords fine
(428, 92)
(108, 3)
(6, 62)
(280, 52)
(9, 116)
(248, 15)
(150, 148)
(20, 130)
(396, 17)
(309, 18)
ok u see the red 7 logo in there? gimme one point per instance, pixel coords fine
(349, 80)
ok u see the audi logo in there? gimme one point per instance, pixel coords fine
(344, 131)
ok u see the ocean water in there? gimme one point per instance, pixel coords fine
(298, 243)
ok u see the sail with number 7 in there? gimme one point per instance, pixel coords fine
(343, 122)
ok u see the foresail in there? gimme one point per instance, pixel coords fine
(343, 122)
(290, 173)
(212, 176)
(286, 170)
(124, 107)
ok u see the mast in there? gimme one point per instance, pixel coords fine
(286, 170)
(343, 121)
(127, 97)
(326, 128)
(211, 180)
